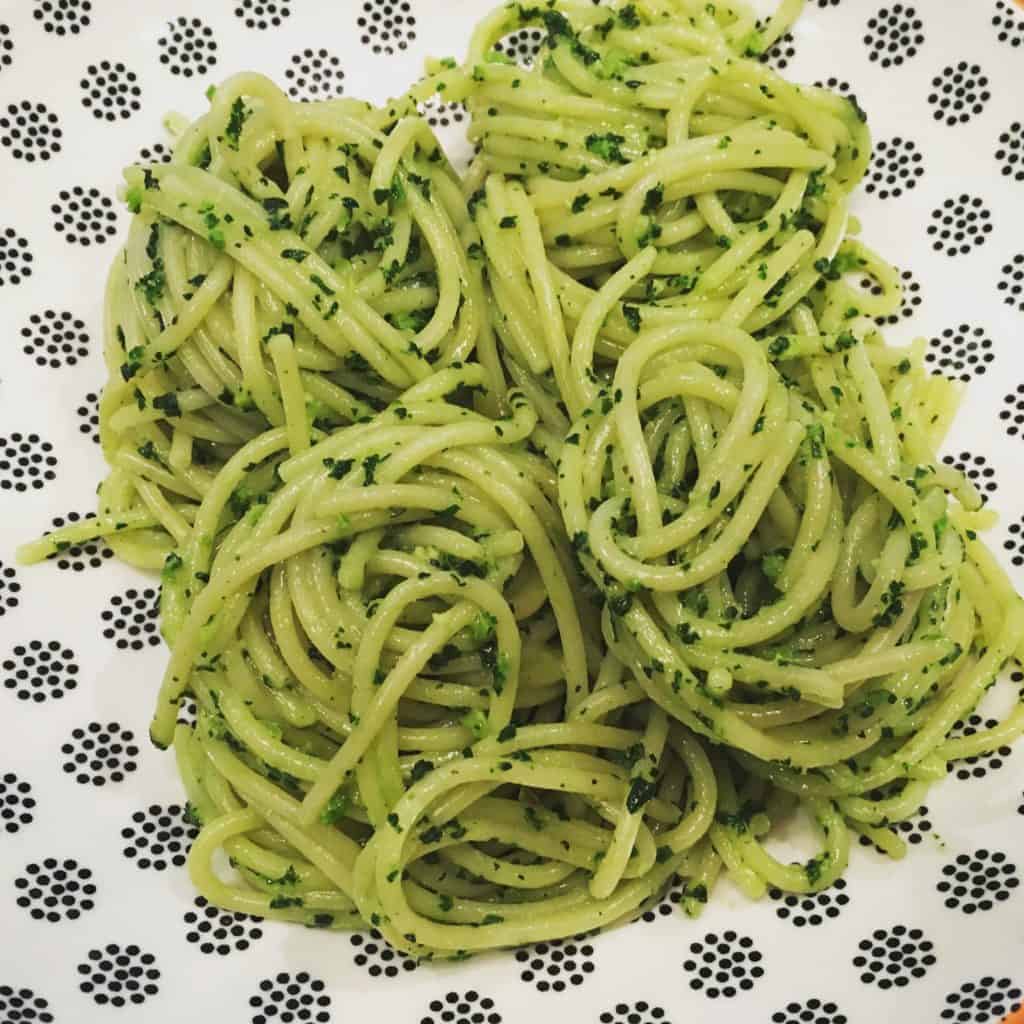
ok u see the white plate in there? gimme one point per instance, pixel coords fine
(91, 838)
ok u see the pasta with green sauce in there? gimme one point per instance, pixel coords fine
(534, 538)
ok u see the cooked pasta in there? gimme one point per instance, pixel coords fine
(534, 539)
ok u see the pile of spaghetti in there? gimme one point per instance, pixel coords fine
(535, 540)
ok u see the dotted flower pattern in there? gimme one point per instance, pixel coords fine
(110, 91)
(894, 35)
(84, 216)
(977, 1002)
(960, 225)
(959, 93)
(894, 957)
(723, 965)
(314, 75)
(287, 997)
(189, 47)
(812, 909)
(55, 890)
(158, 837)
(212, 930)
(40, 670)
(462, 1008)
(27, 462)
(96, 754)
(117, 976)
(30, 131)
(132, 619)
(22, 1004)
(977, 766)
(978, 881)
(556, 965)
(896, 166)
(15, 257)
(16, 803)
(387, 25)
(962, 352)
(376, 957)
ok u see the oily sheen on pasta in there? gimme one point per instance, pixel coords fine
(535, 538)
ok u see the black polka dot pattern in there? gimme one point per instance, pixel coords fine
(979, 765)
(263, 14)
(97, 754)
(16, 803)
(30, 131)
(915, 828)
(556, 965)
(723, 965)
(158, 837)
(15, 257)
(976, 469)
(6, 46)
(111, 91)
(40, 670)
(896, 166)
(462, 1008)
(55, 338)
(1011, 282)
(82, 555)
(88, 416)
(634, 1013)
(10, 588)
(894, 35)
(133, 618)
(522, 46)
(894, 957)
(186, 712)
(55, 890)
(960, 225)
(813, 1011)
(157, 153)
(1010, 152)
(961, 353)
(1008, 23)
(836, 85)
(1013, 413)
(62, 17)
(188, 47)
(84, 216)
(813, 908)
(19, 1005)
(442, 115)
(387, 25)
(314, 74)
(984, 1001)
(826, 4)
(669, 902)
(215, 931)
(978, 881)
(377, 957)
(780, 53)
(959, 93)
(291, 998)
(27, 462)
(1014, 543)
(910, 298)
(118, 975)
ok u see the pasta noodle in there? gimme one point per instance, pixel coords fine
(534, 538)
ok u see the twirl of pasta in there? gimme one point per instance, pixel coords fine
(532, 540)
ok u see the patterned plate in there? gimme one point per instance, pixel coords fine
(97, 918)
